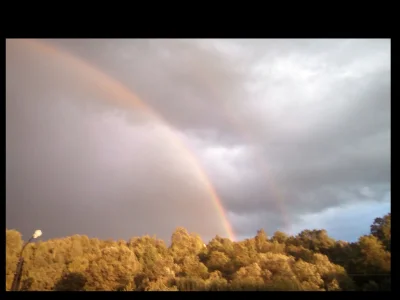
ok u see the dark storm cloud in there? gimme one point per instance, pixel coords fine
(303, 124)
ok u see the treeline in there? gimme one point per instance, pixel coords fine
(310, 261)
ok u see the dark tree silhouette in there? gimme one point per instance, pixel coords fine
(71, 282)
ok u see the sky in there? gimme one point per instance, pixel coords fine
(291, 134)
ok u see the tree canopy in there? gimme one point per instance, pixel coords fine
(309, 261)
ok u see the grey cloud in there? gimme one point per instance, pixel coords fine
(247, 224)
(74, 169)
(311, 119)
(185, 83)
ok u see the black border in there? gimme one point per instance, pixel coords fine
(163, 29)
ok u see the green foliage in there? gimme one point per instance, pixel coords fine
(280, 237)
(381, 229)
(13, 247)
(374, 257)
(217, 261)
(216, 282)
(310, 261)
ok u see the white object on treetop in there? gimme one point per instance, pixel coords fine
(37, 234)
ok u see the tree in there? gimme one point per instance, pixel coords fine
(71, 282)
(374, 257)
(316, 240)
(261, 240)
(184, 244)
(216, 282)
(309, 261)
(160, 285)
(13, 248)
(114, 269)
(334, 276)
(249, 278)
(217, 261)
(381, 229)
(192, 267)
(279, 237)
(308, 276)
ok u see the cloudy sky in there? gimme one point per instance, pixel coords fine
(292, 135)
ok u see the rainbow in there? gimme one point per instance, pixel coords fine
(125, 96)
(262, 166)
(240, 127)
